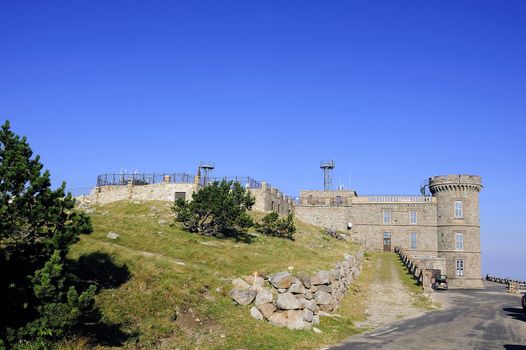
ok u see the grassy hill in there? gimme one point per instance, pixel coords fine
(162, 287)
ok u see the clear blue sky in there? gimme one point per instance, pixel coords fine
(394, 91)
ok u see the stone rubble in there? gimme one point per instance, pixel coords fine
(297, 302)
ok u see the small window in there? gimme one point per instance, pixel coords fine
(387, 234)
(412, 217)
(459, 268)
(412, 240)
(387, 217)
(458, 210)
(459, 241)
(181, 195)
(338, 200)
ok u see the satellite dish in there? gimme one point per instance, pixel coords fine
(349, 225)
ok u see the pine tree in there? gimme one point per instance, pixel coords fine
(37, 227)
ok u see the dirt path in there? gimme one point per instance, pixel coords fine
(388, 298)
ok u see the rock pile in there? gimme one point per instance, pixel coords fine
(296, 302)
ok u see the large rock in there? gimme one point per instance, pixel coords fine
(308, 315)
(320, 277)
(297, 287)
(243, 296)
(264, 297)
(112, 235)
(324, 288)
(267, 310)
(255, 282)
(322, 298)
(310, 305)
(305, 279)
(292, 319)
(287, 301)
(240, 284)
(281, 280)
(254, 312)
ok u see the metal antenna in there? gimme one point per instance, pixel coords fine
(206, 169)
(327, 167)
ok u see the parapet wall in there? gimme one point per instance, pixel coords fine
(267, 197)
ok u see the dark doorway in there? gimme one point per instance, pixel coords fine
(387, 241)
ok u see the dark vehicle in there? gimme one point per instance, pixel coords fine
(523, 300)
(440, 282)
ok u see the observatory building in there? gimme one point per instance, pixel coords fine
(441, 226)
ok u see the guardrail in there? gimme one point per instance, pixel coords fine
(411, 266)
(142, 179)
(514, 286)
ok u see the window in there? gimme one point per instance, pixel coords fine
(459, 268)
(387, 217)
(458, 210)
(181, 195)
(459, 241)
(339, 200)
(387, 234)
(412, 240)
(412, 217)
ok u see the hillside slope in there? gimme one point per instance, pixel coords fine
(168, 289)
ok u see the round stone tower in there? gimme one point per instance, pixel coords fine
(458, 227)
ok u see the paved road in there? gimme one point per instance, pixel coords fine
(469, 319)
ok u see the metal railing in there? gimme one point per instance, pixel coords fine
(142, 179)
(245, 181)
(394, 199)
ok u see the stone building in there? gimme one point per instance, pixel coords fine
(442, 229)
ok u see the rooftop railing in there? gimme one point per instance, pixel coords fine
(142, 179)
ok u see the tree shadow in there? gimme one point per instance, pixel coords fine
(241, 237)
(516, 313)
(99, 269)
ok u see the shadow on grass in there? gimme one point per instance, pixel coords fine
(99, 269)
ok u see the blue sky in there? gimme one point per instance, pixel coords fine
(394, 91)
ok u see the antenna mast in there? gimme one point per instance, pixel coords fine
(327, 167)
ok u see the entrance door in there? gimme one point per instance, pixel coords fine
(387, 241)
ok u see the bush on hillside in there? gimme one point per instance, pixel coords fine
(37, 226)
(218, 209)
(273, 225)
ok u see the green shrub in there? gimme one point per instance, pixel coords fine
(273, 225)
(218, 209)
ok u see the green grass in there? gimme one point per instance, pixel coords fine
(420, 300)
(167, 305)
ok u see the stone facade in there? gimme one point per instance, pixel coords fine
(444, 225)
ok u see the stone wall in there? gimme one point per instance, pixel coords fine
(159, 191)
(270, 199)
(296, 302)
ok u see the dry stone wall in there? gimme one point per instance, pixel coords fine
(296, 302)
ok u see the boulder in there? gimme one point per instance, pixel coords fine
(254, 312)
(267, 309)
(240, 284)
(322, 298)
(264, 297)
(309, 295)
(310, 305)
(320, 277)
(281, 280)
(243, 296)
(112, 235)
(292, 319)
(297, 287)
(325, 288)
(305, 279)
(316, 319)
(308, 315)
(255, 282)
(287, 301)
